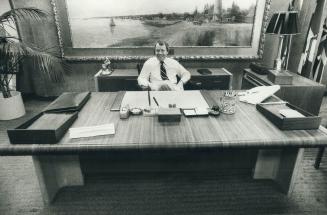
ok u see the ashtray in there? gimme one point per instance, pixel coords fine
(214, 110)
(136, 111)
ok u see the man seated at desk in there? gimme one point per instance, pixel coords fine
(160, 72)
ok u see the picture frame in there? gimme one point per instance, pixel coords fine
(199, 41)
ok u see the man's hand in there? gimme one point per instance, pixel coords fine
(164, 87)
(145, 87)
(180, 85)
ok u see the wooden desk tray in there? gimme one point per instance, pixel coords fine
(44, 128)
(271, 112)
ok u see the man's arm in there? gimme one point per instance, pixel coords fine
(184, 75)
(143, 79)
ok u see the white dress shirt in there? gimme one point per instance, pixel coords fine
(150, 74)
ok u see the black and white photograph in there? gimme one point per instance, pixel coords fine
(159, 107)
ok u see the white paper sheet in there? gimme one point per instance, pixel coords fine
(258, 94)
(183, 99)
(91, 131)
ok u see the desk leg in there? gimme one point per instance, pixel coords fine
(282, 166)
(55, 172)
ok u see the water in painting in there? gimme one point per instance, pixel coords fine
(127, 23)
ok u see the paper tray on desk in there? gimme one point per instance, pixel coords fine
(26, 134)
(270, 111)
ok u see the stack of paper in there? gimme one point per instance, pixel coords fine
(258, 94)
(92, 131)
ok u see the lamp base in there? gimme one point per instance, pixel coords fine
(281, 77)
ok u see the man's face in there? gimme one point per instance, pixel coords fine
(161, 51)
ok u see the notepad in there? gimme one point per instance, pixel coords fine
(91, 131)
(196, 112)
(290, 113)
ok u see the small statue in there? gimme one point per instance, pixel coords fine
(106, 67)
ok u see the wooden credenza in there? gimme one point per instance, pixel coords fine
(303, 92)
(126, 80)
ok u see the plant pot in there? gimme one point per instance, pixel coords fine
(13, 107)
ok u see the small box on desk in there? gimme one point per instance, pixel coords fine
(169, 115)
(272, 111)
(283, 77)
(44, 128)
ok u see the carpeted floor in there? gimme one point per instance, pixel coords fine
(221, 192)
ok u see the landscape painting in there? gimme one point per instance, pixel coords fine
(191, 23)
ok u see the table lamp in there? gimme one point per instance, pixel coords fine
(282, 24)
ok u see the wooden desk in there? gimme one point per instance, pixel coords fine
(126, 79)
(58, 165)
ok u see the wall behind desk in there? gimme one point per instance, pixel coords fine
(81, 77)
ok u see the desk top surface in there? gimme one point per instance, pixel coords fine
(246, 128)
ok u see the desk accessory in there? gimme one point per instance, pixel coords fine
(149, 97)
(124, 112)
(67, 102)
(136, 111)
(204, 71)
(117, 102)
(150, 111)
(169, 114)
(214, 110)
(273, 113)
(106, 67)
(155, 100)
(195, 112)
(228, 102)
(282, 77)
(44, 128)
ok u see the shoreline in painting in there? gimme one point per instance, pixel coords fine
(100, 32)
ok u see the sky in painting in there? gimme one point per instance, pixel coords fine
(98, 8)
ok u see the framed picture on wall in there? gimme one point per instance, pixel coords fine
(129, 29)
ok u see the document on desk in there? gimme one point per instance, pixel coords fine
(258, 94)
(91, 131)
(183, 99)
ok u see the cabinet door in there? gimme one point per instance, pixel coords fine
(114, 84)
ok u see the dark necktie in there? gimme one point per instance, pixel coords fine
(163, 72)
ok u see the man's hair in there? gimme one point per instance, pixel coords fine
(161, 43)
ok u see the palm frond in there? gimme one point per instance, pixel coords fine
(48, 64)
(23, 14)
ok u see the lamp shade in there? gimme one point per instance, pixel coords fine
(284, 23)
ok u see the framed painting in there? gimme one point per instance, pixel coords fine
(127, 29)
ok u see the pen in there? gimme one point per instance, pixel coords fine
(155, 100)
(149, 99)
(274, 103)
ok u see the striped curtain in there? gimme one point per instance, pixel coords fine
(321, 58)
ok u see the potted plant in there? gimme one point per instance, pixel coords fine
(13, 52)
